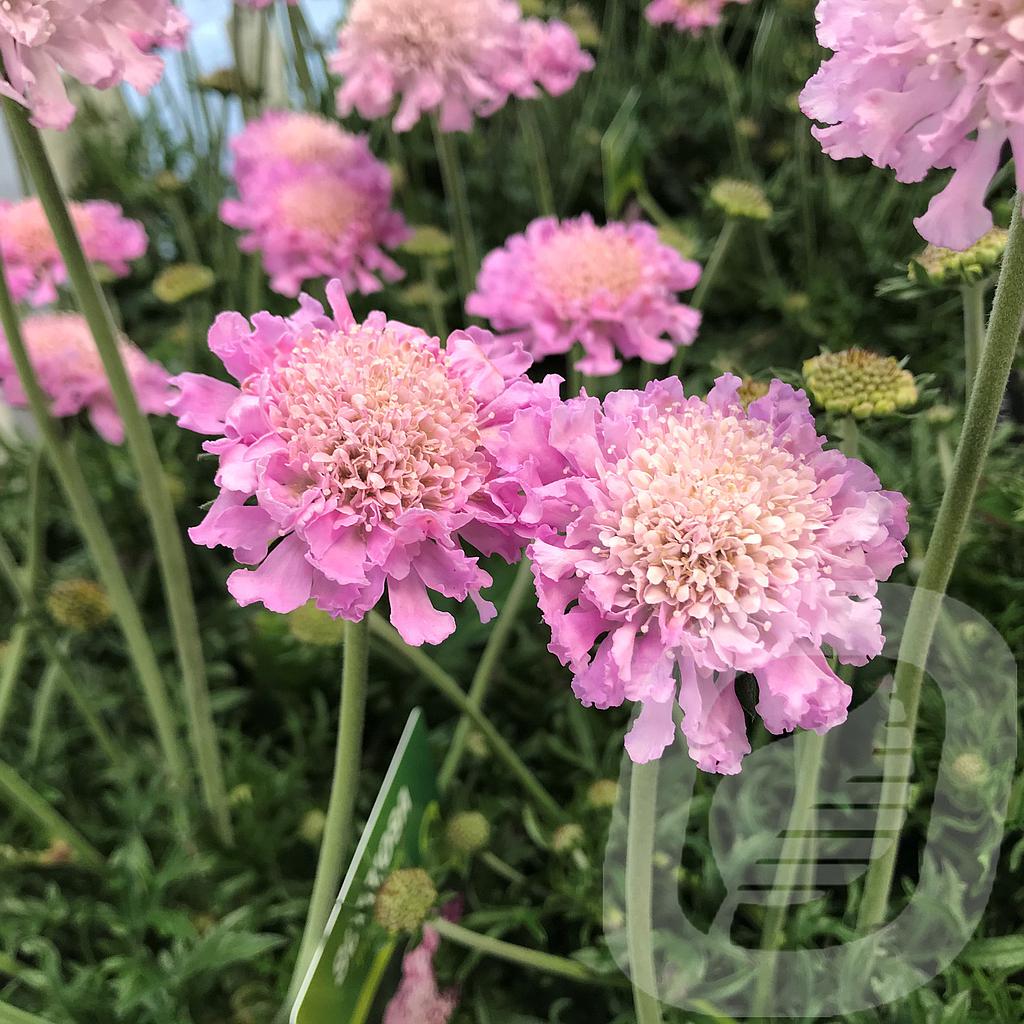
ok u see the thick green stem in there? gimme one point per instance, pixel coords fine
(101, 547)
(337, 837)
(12, 1015)
(533, 139)
(974, 329)
(481, 682)
(983, 406)
(546, 963)
(467, 254)
(643, 801)
(152, 481)
(26, 801)
(451, 690)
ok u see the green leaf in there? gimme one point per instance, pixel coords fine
(1005, 953)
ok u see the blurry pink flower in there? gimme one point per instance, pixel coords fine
(917, 84)
(90, 40)
(71, 373)
(418, 999)
(613, 289)
(33, 261)
(319, 221)
(687, 15)
(173, 35)
(691, 540)
(371, 453)
(463, 58)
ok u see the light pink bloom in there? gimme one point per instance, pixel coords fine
(687, 15)
(33, 261)
(93, 41)
(371, 453)
(319, 221)
(462, 58)
(418, 999)
(64, 356)
(613, 289)
(690, 540)
(917, 84)
(173, 35)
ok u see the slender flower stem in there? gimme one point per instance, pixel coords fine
(338, 826)
(534, 141)
(295, 25)
(66, 679)
(643, 799)
(41, 711)
(1004, 329)
(484, 674)
(451, 690)
(153, 483)
(974, 329)
(25, 800)
(10, 669)
(101, 547)
(546, 963)
(730, 86)
(467, 254)
(12, 1015)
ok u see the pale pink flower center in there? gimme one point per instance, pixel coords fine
(62, 337)
(577, 266)
(29, 22)
(378, 421)
(708, 517)
(323, 205)
(306, 139)
(26, 225)
(968, 31)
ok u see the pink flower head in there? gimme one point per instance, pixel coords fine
(418, 999)
(65, 358)
(31, 256)
(173, 35)
(319, 221)
(93, 41)
(613, 289)
(690, 540)
(463, 58)
(687, 15)
(367, 452)
(917, 84)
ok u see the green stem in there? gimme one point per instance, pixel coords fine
(295, 25)
(12, 1015)
(643, 799)
(153, 483)
(484, 674)
(435, 303)
(41, 710)
(534, 142)
(344, 786)
(730, 86)
(467, 255)
(546, 963)
(451, 690)
(183, 228)
(10, 668)
(24, 799)
(101, 547)
(983, 406)
(974, 329)
(114, 753)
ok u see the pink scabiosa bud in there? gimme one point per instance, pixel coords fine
(365, 453)
(690, 540)
(921, 84)
(93, 42)
(462, 58)
(687, 15)
(614, 289)
(33, 260)
(71, 373)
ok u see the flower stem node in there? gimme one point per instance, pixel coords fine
(404, 900)
(741, 199)
(79, 605)
(468, 833)
(859, 383)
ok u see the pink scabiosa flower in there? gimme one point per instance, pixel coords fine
(364, 452)
(418, 999)
(613, 289)
(690, 540)
(64, 356)
(173, 35)
(687, 15)
(319, 221)
(93, 41)
(462, 58)
(31, 256)
(917, 84)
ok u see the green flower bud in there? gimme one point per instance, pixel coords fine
(229, 82)
(940, 415)
(970, 770)
(309, 625)
(79, 605)
(741, 199)
(566, 838)
(603, 793)
(182, 281)
(859, 383)
(468, 833)
(947, 266)
(676, 238)
(477, 745)
(421, 295)
(751, 390)
(168, 181)
(427, 241)
(404, 900)
(578, 17)
(241, 794)
(311, 828)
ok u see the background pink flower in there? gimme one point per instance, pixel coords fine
(371, 453)
(687, 15)
(33, 261)
(613, 289)
(173, 35)
(71, 373)
(692, 536)
(93, 42)
(462, 58)
(418, 999)
(917, 84)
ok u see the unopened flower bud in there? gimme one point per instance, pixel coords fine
(311, 828)
(428, 241)
(468, 833)
(859, 383)
(78, 604)
(947, 266)
(182, 281)
(603, 793)
(310, 625)
(404, 900)
(741, 199)
(567, 838)
(751, 390)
